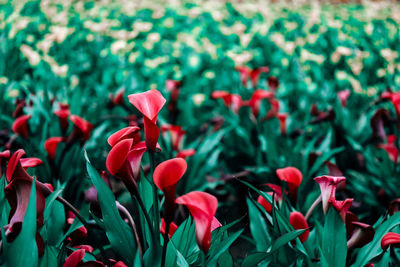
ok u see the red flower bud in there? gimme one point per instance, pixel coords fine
(390, 239)
(293, 177)
(298, 222)
(20, 126)
(51, 146)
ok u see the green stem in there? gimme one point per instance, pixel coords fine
(166, 239)
(143, 208)
(156, 213)
(203, 259)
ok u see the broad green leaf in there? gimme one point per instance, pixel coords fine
(223, 246)
(118, 232)
(258, 227)
(286, 238)
(334, 246)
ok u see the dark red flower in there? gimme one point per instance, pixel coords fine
(343, 95)
(177, 135)
(256, 98)
(149, 104)
(277, 192)
(328, 186)
(166, 176)
(390, 239)
(174, 88)
(390, 148)
(232, 101)
(172, 228)
(117, 98)
(185, 153)
(293, 177)
(395, 98)
(20, 126)
(362, 235)
(202, 206)
(51, 146)
(274, 110)
(298, 222)
(19, 110)
(273, 83)
(63, 114)
(17, 193)
(394, 206)
(378, 122)
(82, 129)
(30, 162)
(4, 155)
(77, 236)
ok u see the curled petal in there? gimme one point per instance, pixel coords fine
(169, 173)
(177, 134)
(273, 83)
(30, 162)
(83, 126)
(75, 258)
(148, 103)
(264, 203)
(14, 167)
(186, 153)
(390, 239)
(172, 228)
(342, 206)
(298, 222)
(20, 126)
(363, 234)
(117, 156)
(131, 132)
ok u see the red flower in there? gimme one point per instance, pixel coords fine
(79, 235)
(20, 126)
(51, 146)
(123, 161)
(391, 148)
(174, 88)
(76, 257)
(395, 98)
(176, 134)
(378, 122)
(390, 239)
(254, 75)
(343, 95)
(82, 129)
(293, 177)
(185, 153)
(298, 222)
(149, 104)
(63, 114)
(19, 110)
(341, 206)
(4, 155)
(202, 206)
(328, 186)
(273, 112)
(172, 228)
(117, 98)
(30, 162)
(232, 101)
(166, 176)
(256, 98)
(282, 122)
(278, 197)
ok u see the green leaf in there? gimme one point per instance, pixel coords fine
(223, 246)
(118, 232)
(255, 258)
(286, 238)
(373, 248)
(23, 250)
(258, 227)
(334, 246)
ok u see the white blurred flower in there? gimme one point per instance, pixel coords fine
(117, 46)
(198, 99)
(32, 56)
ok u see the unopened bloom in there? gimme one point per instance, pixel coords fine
(51, 145)
(20, 126)
(293, 177)
(297, 221)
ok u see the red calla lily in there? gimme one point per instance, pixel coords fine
(166, 176)
(20, 126)
(51, 145)
(298, 222)
(149, 104)
(277, 192)
(123, 161)
(343, 95)
(342, 206)
(232, 101)
(177, 135)
(256, 98)
(273, 83)
(76, 257)
(172, 228)
(395, 98)
(202, 206)
(185, 153)
(117, 98)
(174, 88)
(63, 114)
(390, 148)
(77, 236)
(19, 110)
(390, 239)
(328, 186)
(282, 117)
(293, 177)
(82, 129)
(254, 75)
(30, 162)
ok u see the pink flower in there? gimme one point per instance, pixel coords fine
(328, 186)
